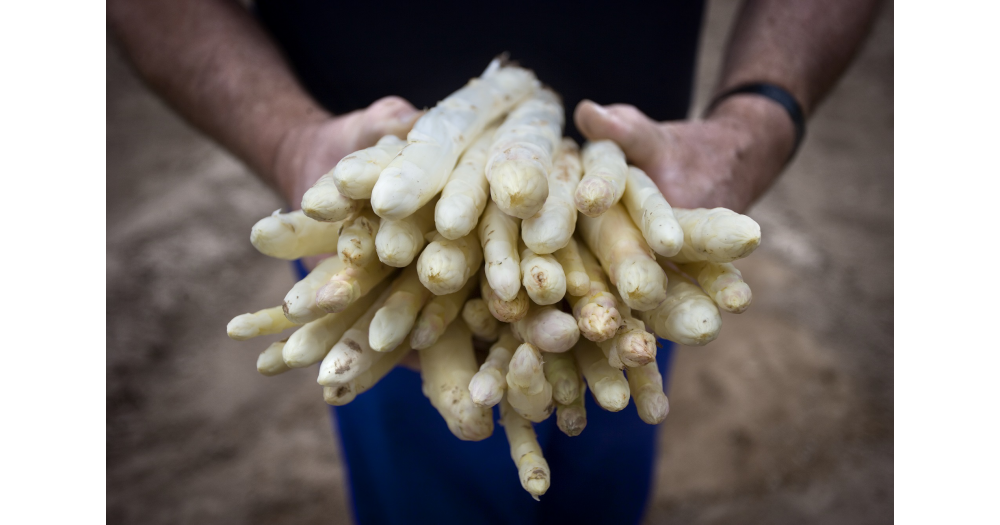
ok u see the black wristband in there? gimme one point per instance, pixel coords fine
(779, 95)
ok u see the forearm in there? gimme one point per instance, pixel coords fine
(213, 63)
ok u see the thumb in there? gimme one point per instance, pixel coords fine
(639, 136)
(388, 116)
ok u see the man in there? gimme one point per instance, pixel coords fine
(280, 87)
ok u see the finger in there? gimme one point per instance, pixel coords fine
(640, 137)
(388, 116)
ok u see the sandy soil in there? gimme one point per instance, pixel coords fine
(786, 418)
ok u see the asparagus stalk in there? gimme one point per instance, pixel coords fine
(310, 343)
(723, 283)
(262, 322)
(651, 212)
(543, 277)
(300, 302)
(464, 197)
(596, 311)
(577, 280)
(480, 321)
(293, 235)
(527, 390)
(350, 283)
(524, 450)
(397, 243)
(688, 316)
(490, 382)
(344, 393)
(356, 245)
(604, 177)
(625, 256)
(572, 418)
(324, 202)
(522, 152)
(498, 234)
(646, 386)
(352, 354)
(437, 139)
(446, 368)
(445, 265)
(717, 235)
(547, 328)
(632, 346)
(393, 321)
(269, 362)
(355, 175)
(505, 311)
(439, 312)
(608, 384)
(562, 374)
(552, 227)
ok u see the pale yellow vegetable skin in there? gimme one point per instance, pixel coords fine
(688, 316)
(398, 243)
(490, 382)
(270, 363)
(562, 374)
(464, 197)
(547, 328)
(480, 321)
(293, 235)
(577, 280)
(572, 418)
(723, 283)
(394, 320)
(498, 233)
(352, 354)
(356, 245)
(532, 468)
(608, 384)
(262, 322)
(437, 314)
(552, 227)
(646, 386)
(542, 276)
(342, 394)
(717, 235)
(355, 175)
(300, 302)
(446, 368)
(522, 152)
(527, 389)
(596, 311)
(445, 265)
(632, 346)
(349, 284)
(504, 311)
(324, 202)
(623, 253)
(604, 178)
(652, 214)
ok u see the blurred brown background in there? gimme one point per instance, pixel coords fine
(786, 418)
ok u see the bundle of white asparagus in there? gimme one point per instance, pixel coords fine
(475, 215)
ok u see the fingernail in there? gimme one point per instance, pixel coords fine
(407, 117)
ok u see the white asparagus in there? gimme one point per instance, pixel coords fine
(446, 368)
(562, 374)
(547, 328)
(688, 316)
(310, 343)
(356, 245)
(480, 321)
(324, 202)
(626, 258)
(293, 235)
(542, 276)
(528, 392)
(262, 322)
(445, 265)
(347, 285)
(652, 214)
(504, 311)
(490, 382)
(596, 312)
(393, 321)
(464, 197)
(498, 233)
(269, 362)
(437, 139)
(355, 175)
(352, 355)
(342, 394)
(632, 346)
(608, 384)
(646, 386)
(577, 280)
(723, 283)
(604, 177)
(524, 450)
(552, 227)
(397, 243)
(572, 418)
(435, 317)
(300, 302)
(717, 235)
(522, 152)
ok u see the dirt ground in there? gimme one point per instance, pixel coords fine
(786, 418)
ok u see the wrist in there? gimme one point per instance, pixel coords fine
(764, 124)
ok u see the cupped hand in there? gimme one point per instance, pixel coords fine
(726, 160)
(312, 149)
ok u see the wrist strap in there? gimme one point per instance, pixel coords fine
(777, 94)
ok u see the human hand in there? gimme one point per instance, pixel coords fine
(312, 149)
(726, 160)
